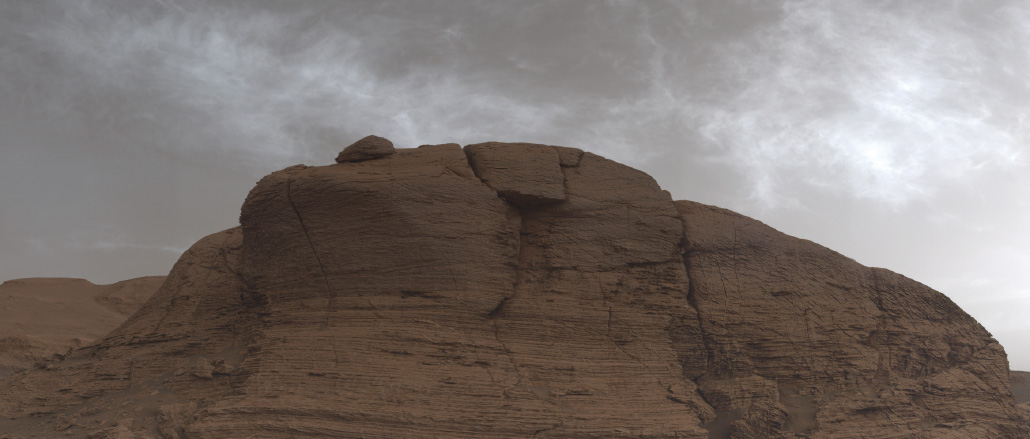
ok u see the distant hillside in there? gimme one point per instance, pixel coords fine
(40, 317)
(1020, 386)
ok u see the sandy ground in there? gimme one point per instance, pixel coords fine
(40, 317)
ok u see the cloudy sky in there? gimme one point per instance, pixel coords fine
(893, 132)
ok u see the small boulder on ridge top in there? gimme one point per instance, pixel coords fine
(370, 147)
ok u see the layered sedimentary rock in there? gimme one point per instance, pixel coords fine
(43, 317)
(804, 340)
(518, 290)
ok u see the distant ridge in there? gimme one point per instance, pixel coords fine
(40, 317)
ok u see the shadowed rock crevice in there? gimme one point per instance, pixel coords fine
(692, 300)
(505, 169)
(518, 266)
(496, 312)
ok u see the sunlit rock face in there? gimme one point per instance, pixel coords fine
(518, 290)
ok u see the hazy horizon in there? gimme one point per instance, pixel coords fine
(893, 133)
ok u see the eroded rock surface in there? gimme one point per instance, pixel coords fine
(803, 341)
(517, 290)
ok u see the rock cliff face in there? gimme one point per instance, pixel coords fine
(41, 317)
(518, 290)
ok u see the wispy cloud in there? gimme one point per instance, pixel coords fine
(869, 99)
(880, 100)
(264, 86)
(81, 243)
(114, 246)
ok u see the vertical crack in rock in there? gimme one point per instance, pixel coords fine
(611, 311)
(517, 278)
(485, 365)
(304, 228)
(883, 371)
(511, 359)
(705, 338)
(498, 311)
(519, 258)
(336, 355)
(468, 158)
(692, 300)
(565, 179)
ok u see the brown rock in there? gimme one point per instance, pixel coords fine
(369, 147)
(221, 368)
(419, 295)
(568, 157)
(849, 351)
(172, 420)
(202, 368)
(525, 174)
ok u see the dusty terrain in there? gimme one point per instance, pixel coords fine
(1021, 389)
(517, 290)
(1021, 386)
(40, 317)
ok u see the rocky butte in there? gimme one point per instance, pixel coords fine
(510, 290)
